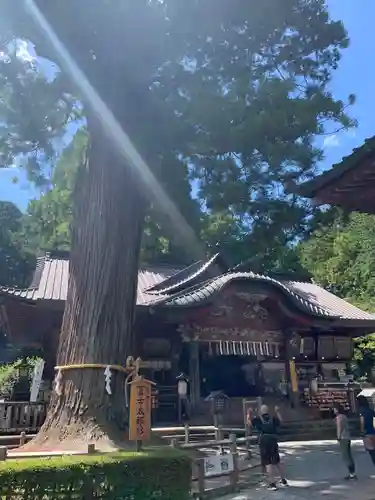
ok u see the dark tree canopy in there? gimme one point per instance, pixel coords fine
(240, 94)
(16, 265)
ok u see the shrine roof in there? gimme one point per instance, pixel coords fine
(308, 297)
(51, 277)
(182, 278)
(311, 188)
(175, 287)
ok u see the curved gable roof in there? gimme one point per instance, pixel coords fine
(310, 298)
(51, 278)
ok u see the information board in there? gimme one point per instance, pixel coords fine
(218, 464)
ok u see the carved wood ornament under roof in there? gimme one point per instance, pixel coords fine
(237, 315)
(194, 332)
(251, 310)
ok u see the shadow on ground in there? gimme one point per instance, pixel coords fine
(316, 471)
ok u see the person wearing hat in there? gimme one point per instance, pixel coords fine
(268, 426)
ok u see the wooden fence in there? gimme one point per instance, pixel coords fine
(226, 464)
(209, 435)
(17, 417)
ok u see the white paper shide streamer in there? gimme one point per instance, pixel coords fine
(58, 383)
(108, 378)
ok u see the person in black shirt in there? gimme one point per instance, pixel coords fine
(268, 425)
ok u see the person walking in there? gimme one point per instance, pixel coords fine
(268, 426)
(343, 438)
(367, 416)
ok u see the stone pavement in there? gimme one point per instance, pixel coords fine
(315, 471)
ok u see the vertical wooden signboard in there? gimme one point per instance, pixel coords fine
(140, 410)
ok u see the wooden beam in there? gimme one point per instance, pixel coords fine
(290, 369)
(4, 320)
(194, 374)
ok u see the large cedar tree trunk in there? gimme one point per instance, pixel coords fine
(98, 319)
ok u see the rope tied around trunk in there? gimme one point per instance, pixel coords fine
(131, 369)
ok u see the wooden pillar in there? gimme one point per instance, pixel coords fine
(194, 374)
(290, 369)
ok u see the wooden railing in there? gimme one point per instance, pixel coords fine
(225, 464)
(16, 417)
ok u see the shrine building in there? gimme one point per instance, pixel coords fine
(242, 333)
(349, 184)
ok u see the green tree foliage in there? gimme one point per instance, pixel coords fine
(48, 219)
(250, 251)
(364, 355)
(47, 222)
(35, 108)
(259, 112)
(250, 91)
(15, 263)
(340, 256)
(9, 374)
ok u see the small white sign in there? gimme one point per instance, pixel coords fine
(37, 379)
(218, 464)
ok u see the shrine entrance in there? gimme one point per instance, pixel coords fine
(235, 346)
(236, 376)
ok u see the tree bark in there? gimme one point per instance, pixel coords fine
(98, 320)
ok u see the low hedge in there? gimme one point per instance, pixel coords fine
(159, 474)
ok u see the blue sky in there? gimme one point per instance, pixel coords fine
(356, 74)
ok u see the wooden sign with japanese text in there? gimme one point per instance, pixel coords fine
(140, 410)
